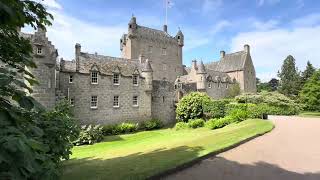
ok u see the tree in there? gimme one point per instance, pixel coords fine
(32, 140)
(307, 73)
(310, 93)
(289, 78)
(234, 90)
(274, 83)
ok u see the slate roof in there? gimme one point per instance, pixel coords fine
(231, 62)
(104, 64)
(150, 33)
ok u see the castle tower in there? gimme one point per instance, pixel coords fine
(44, 55)
(147, 73)
(201, 74)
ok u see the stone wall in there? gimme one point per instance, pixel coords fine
(218, 90)
(163, 101)
(81, 91)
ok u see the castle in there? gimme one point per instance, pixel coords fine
(146, 82)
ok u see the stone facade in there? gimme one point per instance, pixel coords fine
(146, 82)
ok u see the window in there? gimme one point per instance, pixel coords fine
(94, 102)
(150, 49)
(227, 85)
(115, 101)
(164, 51)
(135, 80)
(39, 50)
(94, 77)
(70, 79)
(209, 85)
(116, 79)
(135, 101)
(72, 102)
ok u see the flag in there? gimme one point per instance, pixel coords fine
(169, 3)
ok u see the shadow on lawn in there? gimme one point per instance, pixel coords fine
(144, 165)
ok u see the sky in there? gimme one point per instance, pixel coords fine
(274, 29)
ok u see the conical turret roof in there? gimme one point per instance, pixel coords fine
(147, 67)
(201, 68)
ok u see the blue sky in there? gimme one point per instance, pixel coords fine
(273, 28)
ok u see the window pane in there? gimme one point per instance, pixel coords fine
(115, 101)
(94, 77)
(116, 79)
(135, 100)
(94, 101)
(135, 80)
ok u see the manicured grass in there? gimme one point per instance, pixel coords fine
(310, 114)
(141, 155)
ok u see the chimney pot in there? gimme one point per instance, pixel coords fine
(222, 54)
(165, 28)
(247, 48)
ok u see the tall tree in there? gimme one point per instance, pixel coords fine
(307, 73)
(310, 93)
(289, 77)
(274, 83)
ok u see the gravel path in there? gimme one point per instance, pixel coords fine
(290, 152)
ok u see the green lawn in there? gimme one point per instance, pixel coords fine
(310, 114)
(140, 155)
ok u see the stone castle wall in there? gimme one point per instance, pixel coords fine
(81, 91)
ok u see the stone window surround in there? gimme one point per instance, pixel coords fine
(70, 78)
(135, 80)
(116, 103)
(94, 102)
(72, 101)
(94, 77)
(39, 50)
(135, 101)
(116, 79)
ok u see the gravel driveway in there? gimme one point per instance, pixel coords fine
(290, 152)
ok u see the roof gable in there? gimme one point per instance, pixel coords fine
(230, 62)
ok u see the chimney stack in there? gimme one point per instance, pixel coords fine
(77, 53)
(247, 48)
(222, 54)
(194, 64)
(165, 28)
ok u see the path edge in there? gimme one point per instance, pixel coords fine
(209, 155)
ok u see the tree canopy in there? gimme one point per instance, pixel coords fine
(310, 93)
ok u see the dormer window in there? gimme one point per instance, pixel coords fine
(135, 80)
(94, 77)
(116, 80)
(39, 50)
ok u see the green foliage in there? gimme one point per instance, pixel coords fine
(191, 106)
(272, 85)
(310, 93)
(109, 129)
(90, 134)
(216, 109)
(238, 115)
(219, 123)
(196, 123)
(289, 77)
(181, 125)
(126, 127)
(151, 124)
(271, 103)
(307, 73)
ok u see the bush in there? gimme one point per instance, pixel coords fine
(109, 129)
(89, 134)
(196, 123)
(181, 125)
(216, 109)
(272, 103)
(219, 123)
(151, 124)
(191, 106)
(126, 127)
(238, 115)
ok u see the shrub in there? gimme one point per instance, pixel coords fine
(219, 123)
(191, 106)
(181, 125)
(126, 127)
(216, 109)
(238, 115)
(89, 134)
(151, 124)
(196, 123)
(109, 129)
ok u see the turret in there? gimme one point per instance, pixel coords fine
(180, 38)
(147, 73)
(201, 74)
(77, 54)
(132, 26)
(222, 54)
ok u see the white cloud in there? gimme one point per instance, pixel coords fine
(220, 26)
(264, 25)
(270, 47)
(51, 4)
